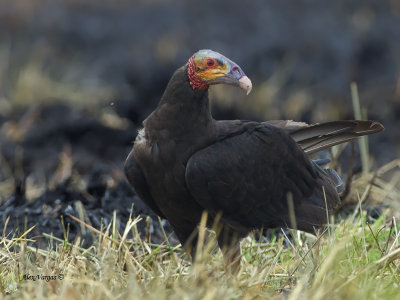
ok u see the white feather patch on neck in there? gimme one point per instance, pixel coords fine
(141, 137)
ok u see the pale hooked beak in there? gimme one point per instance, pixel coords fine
(245, 83)
(235, 76)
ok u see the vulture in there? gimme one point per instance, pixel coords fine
(250, 175)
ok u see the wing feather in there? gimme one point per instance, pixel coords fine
(137, 179)
(248, 176)
(314, 138)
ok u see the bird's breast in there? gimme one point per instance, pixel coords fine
(163, 162)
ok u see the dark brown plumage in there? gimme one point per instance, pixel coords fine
(184, 162)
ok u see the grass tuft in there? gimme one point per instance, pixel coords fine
(362, 141)
(359, 259)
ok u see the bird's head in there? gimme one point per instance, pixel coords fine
(207, 67)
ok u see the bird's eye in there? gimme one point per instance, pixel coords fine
(210, 62)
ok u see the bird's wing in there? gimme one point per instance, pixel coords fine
(136, 178)
(314, 138)
(249, 175)
(287, 125)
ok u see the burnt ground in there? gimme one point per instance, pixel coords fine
(77, 78)
(62, 159)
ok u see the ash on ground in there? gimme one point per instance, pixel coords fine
(57, 162)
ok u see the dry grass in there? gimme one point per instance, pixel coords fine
(351, 260)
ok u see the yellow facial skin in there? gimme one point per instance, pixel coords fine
(209, 68)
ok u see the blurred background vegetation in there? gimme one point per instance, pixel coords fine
(77, 78)
(301, 55)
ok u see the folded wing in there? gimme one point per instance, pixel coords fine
(249, 177)
(314, 138)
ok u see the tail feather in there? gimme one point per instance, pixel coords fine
(318, 137)
(332, 174)
(336, 179)
(322, 162)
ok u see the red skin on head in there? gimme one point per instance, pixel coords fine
(194, 81)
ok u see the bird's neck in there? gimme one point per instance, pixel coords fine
(181, 110)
